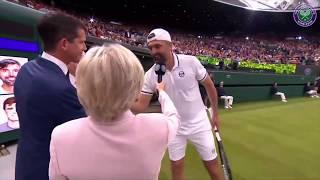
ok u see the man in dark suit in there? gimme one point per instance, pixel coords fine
(45, 97)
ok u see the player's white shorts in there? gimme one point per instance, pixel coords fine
(203, 141)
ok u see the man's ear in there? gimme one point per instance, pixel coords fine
(63, 44)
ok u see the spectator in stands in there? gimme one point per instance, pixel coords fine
(221, 65)
(311, 90)
(228, 100)
(125, 146)
(275, 91)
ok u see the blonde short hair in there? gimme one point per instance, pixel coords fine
(109, 79)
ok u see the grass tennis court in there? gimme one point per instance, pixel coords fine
(265, 141)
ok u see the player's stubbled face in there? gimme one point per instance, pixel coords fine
(160, 50)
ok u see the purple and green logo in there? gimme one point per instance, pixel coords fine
(304, 15)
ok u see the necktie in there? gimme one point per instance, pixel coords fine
(67, 74)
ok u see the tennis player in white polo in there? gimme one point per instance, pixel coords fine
(181, 80)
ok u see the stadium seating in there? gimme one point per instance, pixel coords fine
(262, 48)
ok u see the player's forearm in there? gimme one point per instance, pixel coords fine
(138, 107)
(213, 97)
(168, 109)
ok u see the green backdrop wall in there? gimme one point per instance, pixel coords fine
(254, 86)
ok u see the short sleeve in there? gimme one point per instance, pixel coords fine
(200, 71)
(149, 85)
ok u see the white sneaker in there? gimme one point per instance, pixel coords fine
(230, 106)
(226, 107)
(284, 100)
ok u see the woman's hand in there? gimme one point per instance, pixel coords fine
(160, 86)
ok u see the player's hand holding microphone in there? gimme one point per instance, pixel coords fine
(160, 70)
(160, 86)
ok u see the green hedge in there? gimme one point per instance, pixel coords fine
(277, 68)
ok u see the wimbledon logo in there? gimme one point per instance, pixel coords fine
(304, 15)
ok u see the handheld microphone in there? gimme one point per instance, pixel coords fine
(160, 70)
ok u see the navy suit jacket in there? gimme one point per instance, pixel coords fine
(45, 98)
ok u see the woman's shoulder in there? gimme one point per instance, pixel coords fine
(155, 119)
(152, 124)
(69, 127)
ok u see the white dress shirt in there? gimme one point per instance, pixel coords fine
(59, 63)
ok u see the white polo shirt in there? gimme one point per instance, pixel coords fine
(181, 84)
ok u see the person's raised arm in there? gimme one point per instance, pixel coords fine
(141, 103)
(170, 111)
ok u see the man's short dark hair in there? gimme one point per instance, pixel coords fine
(55, 26)
(9, 101)
(5, 62)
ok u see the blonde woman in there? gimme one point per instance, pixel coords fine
(112, 142)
